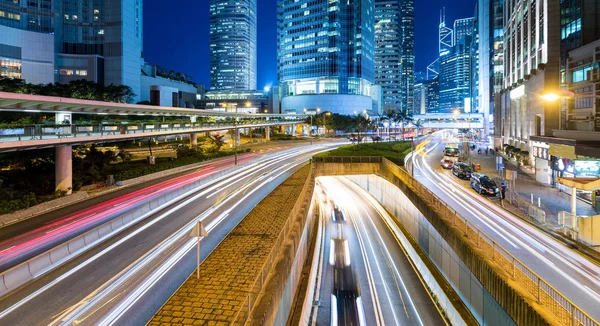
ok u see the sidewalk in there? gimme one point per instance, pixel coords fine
(552, 200)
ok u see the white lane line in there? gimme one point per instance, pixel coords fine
(117, 312)
(502, 225)
(390, 261)
(217, 182)
(112, 284)
(370, 279)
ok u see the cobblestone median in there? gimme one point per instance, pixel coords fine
(229, 272)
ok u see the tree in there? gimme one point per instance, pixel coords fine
(390, 116)
(363, 123)
(402, 117)
(418, 125)
(216, 141)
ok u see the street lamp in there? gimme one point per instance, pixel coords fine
(235, 137)
(327, 114)
(553, 96)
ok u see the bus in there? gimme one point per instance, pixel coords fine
(451, 150)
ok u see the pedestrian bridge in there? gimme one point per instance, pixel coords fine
(61, 133)
(451, 121)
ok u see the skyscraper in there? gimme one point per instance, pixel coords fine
(455, 70)
(490, 28)
(463, 28)
(233, 44)
(63, 40)
(100, 40)
(394, 52)
(445, 35)
(326, 55)
(26, 40)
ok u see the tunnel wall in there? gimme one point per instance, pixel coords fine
(484, 307)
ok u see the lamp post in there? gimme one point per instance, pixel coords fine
(326, 114)
(235, 137)
(311, 123)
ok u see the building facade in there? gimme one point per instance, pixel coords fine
(242, 101)
(65, 40)
(26, 41)
(490, 28)
(394, 52)
(583, 79)
(326, 55)
(101, 41)
(531, 66)
(233, 36)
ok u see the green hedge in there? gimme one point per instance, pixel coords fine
(138, 169)
(393, 151)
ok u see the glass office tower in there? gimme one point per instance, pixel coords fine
(26, 40)
(233, 44)
(101, 41)
(326, 55)
(394, 52)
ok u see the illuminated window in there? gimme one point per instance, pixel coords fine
(66, 72)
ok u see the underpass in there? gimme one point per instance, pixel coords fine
(389, 289)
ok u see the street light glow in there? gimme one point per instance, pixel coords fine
(550, 97)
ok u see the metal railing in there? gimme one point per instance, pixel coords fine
(534, 212)
(347, 159)
(567, 220)
(566, 312)
(38, 132)
(255, 290)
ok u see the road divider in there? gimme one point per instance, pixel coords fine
(27, 271)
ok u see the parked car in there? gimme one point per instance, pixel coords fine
(461, 170)
(446, 163)
(484, 185)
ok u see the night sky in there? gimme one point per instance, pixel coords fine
(176, 35)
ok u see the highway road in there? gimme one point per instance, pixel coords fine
(26, 239)
(366, 279)
(127, 278)
(570, 273)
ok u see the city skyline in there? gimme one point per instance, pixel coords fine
(190, 34)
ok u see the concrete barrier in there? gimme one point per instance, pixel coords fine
(43, 263)
(525, 296)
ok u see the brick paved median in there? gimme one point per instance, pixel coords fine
(228, 273)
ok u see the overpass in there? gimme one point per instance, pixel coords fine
(450, 120)
(63, 134)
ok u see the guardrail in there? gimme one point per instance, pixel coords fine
(19, 275)
(534, 212)
(255, 290)
(39, 132)
(559, 306)
(565, 311)
(347, 159)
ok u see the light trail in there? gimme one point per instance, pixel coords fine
(92, 302)
(566, 270)
(81, 221)
(381, 272)
(226, 179)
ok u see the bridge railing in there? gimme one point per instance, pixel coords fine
(565, 311)
(38, 132)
